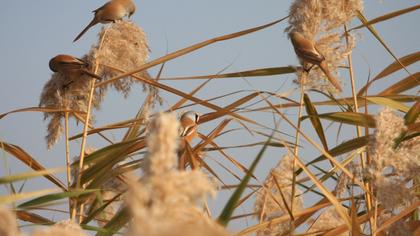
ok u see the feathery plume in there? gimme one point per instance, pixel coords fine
(391, 167)
(167, 201)
(270, 204)
(124, 47)
(321, 21)
(8, 224)
(62, 92)
(62, 228)
(329, 219)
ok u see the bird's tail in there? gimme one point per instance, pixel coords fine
(93, 75)
(92, 23)
(323, 66)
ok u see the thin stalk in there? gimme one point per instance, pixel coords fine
(358, 128)
(85, 130)
(68, 169)
(296, 147)
(83, 146)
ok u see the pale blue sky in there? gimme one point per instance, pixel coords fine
(35, 31)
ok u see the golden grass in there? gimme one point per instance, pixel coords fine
(133, 186)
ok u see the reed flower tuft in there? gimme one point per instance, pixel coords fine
(62, 92)
(167, 201)
(391, 167)
(8, 224)
(323, 21)
(329, 219)
(270, 199)
(62, 228)
(124, 48)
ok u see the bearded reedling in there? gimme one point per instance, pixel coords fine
(111, 11)
(71, 67)
(189, 124)
(308, 54)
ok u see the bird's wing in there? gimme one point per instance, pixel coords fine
(73, 63)
(310, 55)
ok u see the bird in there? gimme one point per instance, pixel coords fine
(307, 52)
(189, 122)
(111, 11)
(188, 131)
(71, 66)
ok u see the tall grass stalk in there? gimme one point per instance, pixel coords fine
(363, 160)
(84, 137)
(68, 168)
(296, 147)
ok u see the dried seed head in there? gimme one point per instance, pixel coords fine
(62, 228)
(329, 219)
(391, 167)
(61, 92)
(124, 48)
(270, 199)
(323, 21)
(167, 201)
(8, 224)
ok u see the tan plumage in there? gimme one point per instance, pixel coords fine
(111, 11)
(70, 66)
(189, 122)
(308, 53)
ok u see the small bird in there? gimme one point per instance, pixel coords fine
(111, 11)
(188, 131)
(71, 66)
(308, 53)
(189, 122)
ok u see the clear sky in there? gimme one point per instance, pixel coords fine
(34, 31)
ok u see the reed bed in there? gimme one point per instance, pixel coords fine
(158, 180)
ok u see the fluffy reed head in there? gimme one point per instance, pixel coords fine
(167, 201)
(391, 167)
(125, 48)
(8, 224)
(321, 21)
(61, 92)
(328, 220)
(270, 199)
(62, 228)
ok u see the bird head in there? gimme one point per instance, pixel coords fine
(53, 64)
(189, 121)
(131, 8)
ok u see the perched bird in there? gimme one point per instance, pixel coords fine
(111, 11)
(308, 53)
(189, 122)
(71, 66)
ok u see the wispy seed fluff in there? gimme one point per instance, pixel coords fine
(125, 48)
(65, 92)
(391, 168)
(8, 224)
(167, 201)
(328, 220)
(62, 228)
(269, 203)
(323, 21)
